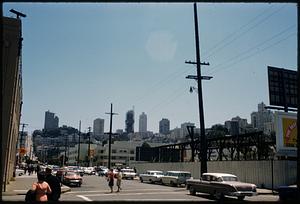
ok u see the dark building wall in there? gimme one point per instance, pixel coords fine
(129, 122)
(11, 96)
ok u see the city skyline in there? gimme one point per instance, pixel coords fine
(79, 58)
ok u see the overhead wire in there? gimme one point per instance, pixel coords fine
(245, 31)
(253, 48)
(235, 32)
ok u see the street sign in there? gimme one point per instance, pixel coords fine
(282, 87)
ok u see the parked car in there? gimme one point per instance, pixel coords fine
(72, 178)
(175, 178)
(288, 193)
(220, 185)
(151, 176)
(89, 171)
(128, 173)
(102, 171)
(20, 172)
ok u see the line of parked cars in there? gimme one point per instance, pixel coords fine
(214, 184)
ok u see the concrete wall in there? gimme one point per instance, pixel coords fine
(257, 172)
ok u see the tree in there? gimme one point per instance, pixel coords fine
(146, 145)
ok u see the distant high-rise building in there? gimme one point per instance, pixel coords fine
(262, 116)
(143, 123)
(164, 126)
(129, 122)
(51, 121)
(184, 131)
(98, 127)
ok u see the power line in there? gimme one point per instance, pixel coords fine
(246, 31)
(260, 44)
(236, 31)
(259, 51)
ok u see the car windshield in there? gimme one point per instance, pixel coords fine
(71, 174)
(229, 178)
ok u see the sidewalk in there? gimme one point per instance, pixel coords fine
(23, 183)
(263, 191)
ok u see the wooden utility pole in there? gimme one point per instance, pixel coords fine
(110, 133)
(199, 78)
(78, 155)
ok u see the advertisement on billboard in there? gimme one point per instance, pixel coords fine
(286, 133)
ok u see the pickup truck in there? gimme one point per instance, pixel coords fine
(220, 185)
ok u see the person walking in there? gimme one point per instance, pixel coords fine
(54, 184)
(119, 179)
(110, 179)
(41, 188)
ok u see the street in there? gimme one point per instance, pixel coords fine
(95, 188)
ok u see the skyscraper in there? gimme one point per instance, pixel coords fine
(51, 121)
(98, 127)
(143, 123)
(262, 116)
(129, 122)
(164, 126)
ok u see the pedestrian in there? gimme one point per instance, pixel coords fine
(134, 169)
(41, 188)
(119, 179)
(110, 179)
(54, 184)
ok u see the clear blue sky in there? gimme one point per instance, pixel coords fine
(79, 58)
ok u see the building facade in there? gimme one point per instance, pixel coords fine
(143, 123)
(11, 96)
(129, 122)
(98, 127)
(51, 121)
(262, 116)
(164, 126)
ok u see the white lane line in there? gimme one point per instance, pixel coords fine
(105, 191)
(126, 194)
(84, 197)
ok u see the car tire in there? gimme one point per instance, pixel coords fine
(219, 195)
(192, 191)
(150, 180)
(172, 183)
(241, 197)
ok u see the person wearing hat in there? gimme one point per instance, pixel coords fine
(54, 184)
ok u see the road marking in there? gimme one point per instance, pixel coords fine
(134, 190)
(126, 194)
(84, 197)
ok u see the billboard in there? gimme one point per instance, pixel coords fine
(286, 133)
(282, 87)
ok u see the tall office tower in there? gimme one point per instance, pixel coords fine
(98, 128)
(262, 116)
(143, 123)
(51, 121)
(129, 122)
(164, 126)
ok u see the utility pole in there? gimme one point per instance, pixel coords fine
(89, 147)
(78, 156)
(110, 133)
(203, 143)
(21, 145)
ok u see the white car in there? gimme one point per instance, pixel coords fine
(20, 172)
(89, 171)
(151, 176)
(128, 173)
(175, 178)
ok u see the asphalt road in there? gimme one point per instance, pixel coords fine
(96, 188)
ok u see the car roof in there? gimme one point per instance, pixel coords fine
(179, 172)
(154, 171)
(219, 174)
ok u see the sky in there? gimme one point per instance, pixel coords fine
(78, 58)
